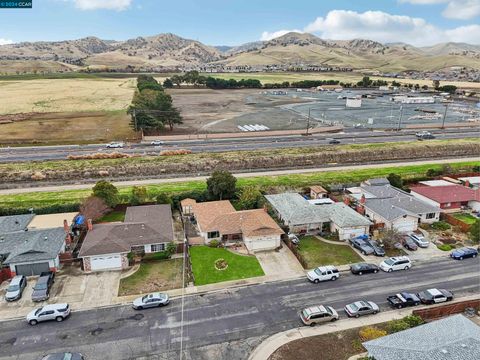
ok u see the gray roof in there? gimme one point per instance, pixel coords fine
(295, 210)
(377, 181)
(387, 209)
(452, 338)
(33, 245)
(149, 224)
(13, 223)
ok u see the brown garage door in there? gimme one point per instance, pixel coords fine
(32, 269)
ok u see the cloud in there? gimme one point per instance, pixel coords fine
(5, 41)
(117, 5)
(383, 27)
(272, 35)
(456, 9)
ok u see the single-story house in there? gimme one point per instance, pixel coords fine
(302, 216)
(186, 205)
(146, 229)
(451, 338)
(471, 181)
(218, 220)
(376, 182)
(14, 223)
(318, 192)
(392, 208)
(32, 252)
(448, 198)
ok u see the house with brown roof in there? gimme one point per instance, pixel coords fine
(218, 220)
(146, 229)
(318, 192)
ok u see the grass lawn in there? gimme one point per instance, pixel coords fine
(113, 217)
(239, 266)
(466, 218)
(153, 276)
(317, 252)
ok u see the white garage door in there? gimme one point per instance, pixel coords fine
(262, 244)
(349, 233)
(105, 262)
(405, 226)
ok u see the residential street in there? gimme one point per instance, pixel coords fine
(226, 324)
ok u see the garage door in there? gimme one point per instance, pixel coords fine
(32, 269)
(262, 244)
(112, 262)
(405, 226)
(349, 233)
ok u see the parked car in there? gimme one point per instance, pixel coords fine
(15, 288)
(334, 142)
(362, 246)
(463, 253)
(403, 299)
(294, 239)
(435, 296)
(64, 356)
(360, 308)
(419, 239)
(363, 268)
(58, 312)
(41, 290)
(323, 273)
(157, 142)
(318, 314)
(423, 133)
(396, 263)
(409, 244)
(115, 145)
(151, 300)
(377, 249)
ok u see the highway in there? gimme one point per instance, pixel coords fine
(226, 324)
(60, 152)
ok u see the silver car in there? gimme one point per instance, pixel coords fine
(151, 300)
(318, 314)
(64, 356)
(419, 239)
(360, 308)
(15, 288)
(58, 312)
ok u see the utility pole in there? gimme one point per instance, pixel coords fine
(308, 120)
(400, 118)
(135, 119)
(444, 116)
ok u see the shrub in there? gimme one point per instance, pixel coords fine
(445, 247)
(171, 248)
(441, 225)
(413, 320)
(139, 195)
(106, 191)
(370, 333)
(396, 326)
(163, 198)
(175, 152)
(130, 258)
(161, 255)
(39, 210)
(214, 243)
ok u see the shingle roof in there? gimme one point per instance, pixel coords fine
(377, 181)
(318, 189)
(33, 245)
(446, 194)
(206, 212)
(14, 223)
(294, 209)
(452, 338)
(149, 224)
(387, 209)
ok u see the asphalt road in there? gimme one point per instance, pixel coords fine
(19, 154)
(225, 324)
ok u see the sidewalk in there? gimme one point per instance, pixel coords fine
(271, 344)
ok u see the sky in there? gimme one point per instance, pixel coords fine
(234, 22)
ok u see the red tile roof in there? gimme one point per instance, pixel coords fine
(447, 194)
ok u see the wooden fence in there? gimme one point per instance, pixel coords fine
(452, 220)
(5, 274)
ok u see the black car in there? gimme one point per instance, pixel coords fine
(334, 142)
(409, 244)
(362, 246)
(435, 296)
(363, 268)
(377, 249)
(41, 290)
(403, 299)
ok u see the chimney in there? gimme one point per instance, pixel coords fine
(346, 200)
(363, 199)
(89, 225)
(65, 226)
(68, 239)
(265, 208)
(467, 183)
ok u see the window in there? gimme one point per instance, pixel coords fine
(157, 247)
(213, 234)
(430, 216)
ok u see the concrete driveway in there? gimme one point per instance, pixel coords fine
(281, 263)
(81, 291)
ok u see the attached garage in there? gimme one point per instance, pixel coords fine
(106, 262)
(32, 269)
(405, 224)
(262, 243)
(345, 233)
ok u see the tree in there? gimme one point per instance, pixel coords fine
(107, 192)
(139, 195)
(475, 231)
(436, 84)
(395, 180)
(177, 80)
(389, 238)
(94, 208)
(163, 198)
(148, 82)
(250, 198)
(221, 185)
(171, 248)
(451, 89)
(168, 84)
(365, 82)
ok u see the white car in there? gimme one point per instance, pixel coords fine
(423, 133)
(419, 239)
(294, 239)
(151, 300)
(58, 312)
(115, 145)
(157, 142)
(318, 314)
(323, 273)
(396, 263)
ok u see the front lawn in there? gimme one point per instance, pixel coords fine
(239, 266)
(467, 218)
(114, 216)
(153, 276)
(317, 252)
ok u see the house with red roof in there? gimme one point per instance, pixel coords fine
(449, 198)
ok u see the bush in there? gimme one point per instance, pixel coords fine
(397, 325)
(163, 198)
(39, 210)
(214, 243)
(171, 248)
(441, 225)
(445, 247)
(139, 195)
(161, 255)
(370, 333)
(413, 320)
